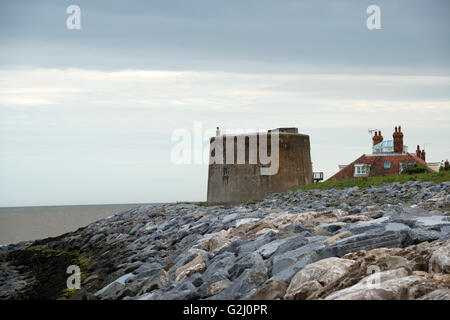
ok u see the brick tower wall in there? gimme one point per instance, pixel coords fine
(237, 183)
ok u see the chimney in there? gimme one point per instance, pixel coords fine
(398, 140)
(377, 138)
(418, 153)
(422, 156)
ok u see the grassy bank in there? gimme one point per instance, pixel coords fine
(362, 183)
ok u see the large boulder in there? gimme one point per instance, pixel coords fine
(267, 250)
(217, 287)
(196, 265)
(157, 281)
(290, 258)
(342, 235)
(248, 261)
(112, 290)
(364, 241)
(272, 291)
(440, 260)
(247, 281)
(316, 275)
(386, 285)
(439, 294)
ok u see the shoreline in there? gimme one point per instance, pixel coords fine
(258, 250)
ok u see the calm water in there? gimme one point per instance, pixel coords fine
(31, 223)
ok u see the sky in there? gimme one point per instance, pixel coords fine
(87, 116)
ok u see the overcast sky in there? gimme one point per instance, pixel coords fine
(86, 116)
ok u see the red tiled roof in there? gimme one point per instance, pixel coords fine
(377, 165)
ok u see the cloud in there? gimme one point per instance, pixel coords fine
(105, 125)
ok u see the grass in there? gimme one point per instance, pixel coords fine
(200, 204)
(363, 183)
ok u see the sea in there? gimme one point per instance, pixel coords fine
(32, 223)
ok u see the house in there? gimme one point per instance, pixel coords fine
(388, 158)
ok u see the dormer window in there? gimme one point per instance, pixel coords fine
(362, 170)
(387, 164)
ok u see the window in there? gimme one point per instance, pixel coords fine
(387, 164)
(362, 170)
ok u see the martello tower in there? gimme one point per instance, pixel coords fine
(251, 166)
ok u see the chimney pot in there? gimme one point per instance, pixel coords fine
(377, 138)
(398, 140)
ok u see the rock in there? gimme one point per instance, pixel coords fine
(316, 275)
(289, 258)
(354, 211)
(339, 236)
(439, 294)
(273, 291)
(200, 228)
(268, 249)
(396, 262)
(415, 236)
(365, 241)
(288, 273)
(395, 226)
(387, 285)
(377, 214)
(390, 227)
(248, 261)
(218, 241)
(230, 217)
(197, 280)
(241, 222)
(253, 245)
(96, 237)
(432, 221)
(219, 264)
(331, 227)
(196, 265)
(292, 230)
(147, 270)
(440, 260)
(157, 281)
(413, 212)
(199, 214)
(186, 291)
(248, 280)
(291, 243)
(112, 290)
(217, 287)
